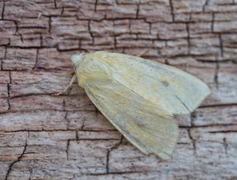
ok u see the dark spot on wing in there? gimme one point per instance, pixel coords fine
(165, 83)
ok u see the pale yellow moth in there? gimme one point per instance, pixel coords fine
(139, 97)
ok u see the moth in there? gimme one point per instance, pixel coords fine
(139, 97)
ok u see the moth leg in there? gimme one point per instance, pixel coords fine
(67, 87)
(143, 52)
(39, 15)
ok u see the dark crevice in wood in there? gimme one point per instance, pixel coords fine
(95, 8)
(89, 29)
(41, 40)
(215, 125)
(83, 123)
(77, 136)
(206, 3)
(9, 91)
(109, 151)
(50, 21)
(65, 117)
(36, 59)
(186, 127)
(31, 172)
(115, 42)
(193, 141)
(217, 105)
(72, 49)
(114, 19)
(204, 61)
(5, 56)
(192, 118)
(45, 94)
(120, 173)
(225, 145)
(40, 130)
(172, 10)
(188, 38)
(68, 143)
(212, 22)
(85, 130)
(12, 164)
(108, 157)
(102, 139)
(64, 108)
(36, 94)
(108, 130)
(59, 110)
(107, 161)
(221, 45)
(225, 132)
(63, 12)
(16, 27)
(29, 47)
(137, 12)
(129, 27)
(216, 75)
(55, 4)
(3, 9)
(22, 40)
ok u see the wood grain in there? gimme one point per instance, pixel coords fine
(65, 137)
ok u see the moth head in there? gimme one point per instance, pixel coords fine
(77, 59)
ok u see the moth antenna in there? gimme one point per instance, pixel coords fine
(67, 87)
(143, 52)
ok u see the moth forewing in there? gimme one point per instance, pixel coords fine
(140, 97)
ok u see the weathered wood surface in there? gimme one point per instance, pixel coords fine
(65, 137)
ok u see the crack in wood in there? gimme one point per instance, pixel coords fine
(50, 22)
(109, 151)
(212, 22)
(68, 143)
(55, 4)
(225, 145)
(193, 141)
(18, 160)
(9, 91)
(206, 3)
(221, 44)
(3, 9)
(138, 6)
(210, 17)
(77, 136)
(95, 8)
(89, 29)
(188, 38)
(172, 10)
(216, 75)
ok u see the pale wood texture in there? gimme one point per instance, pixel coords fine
(65, 137)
